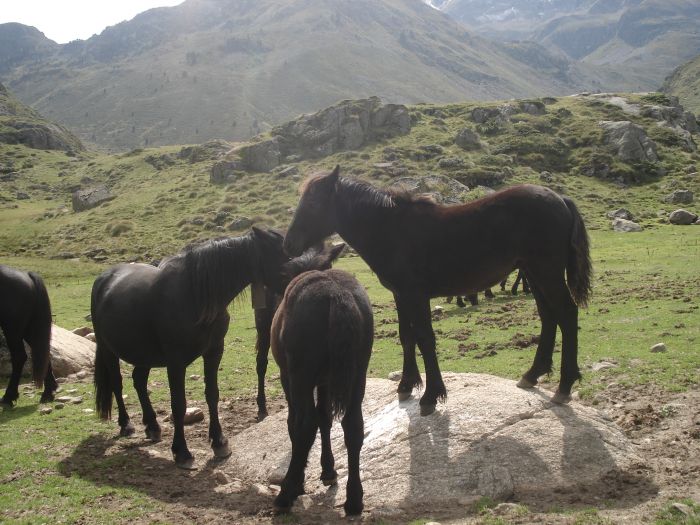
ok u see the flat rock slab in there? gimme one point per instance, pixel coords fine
(489, 439)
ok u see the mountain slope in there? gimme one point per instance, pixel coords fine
(229, 69)
(684, 83)
(642, 39)
(22, 125)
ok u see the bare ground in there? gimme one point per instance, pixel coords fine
(665, 428)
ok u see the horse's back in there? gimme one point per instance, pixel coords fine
(17, 295)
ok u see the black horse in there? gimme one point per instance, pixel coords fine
(25, 315)
(419, 249)
(314, 259)
(170, 315)
(474, 298)
(322, 338)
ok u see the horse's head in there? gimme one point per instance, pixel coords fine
(271, 257)
(315, 258)
(314, 218)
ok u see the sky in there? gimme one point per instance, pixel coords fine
(67, 20)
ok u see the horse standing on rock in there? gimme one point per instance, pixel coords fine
(419, 249)
(25, 315)
(322, 336)
(170, 315)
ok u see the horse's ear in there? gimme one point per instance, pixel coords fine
(333, 176)
(336, 251)
(266, 235)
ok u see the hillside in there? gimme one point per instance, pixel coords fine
(684, 83)
(643, 40)
(229, 69)
(20, 124)
(165, 197)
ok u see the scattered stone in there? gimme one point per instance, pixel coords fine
(682, 508)
(82, 331)
(395, 375)
(221, 478)
(81, 374)
(602, 365)
(45, 410)
(59, 406)
(240, 223)
(468, 139)
(682, 217)
(623, 225)
(76, 400)
(621, 213)
(63, 399)
(441, 188)
(21, 196)
(679, 197)
(546, 177)
(195, 377)
(88, 411)
(487, 353)
(193, 415)
(287, 171)
(506, 508)
(658, 348)
(90, 198)
(262, 489)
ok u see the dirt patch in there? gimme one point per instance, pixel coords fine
(665, 429)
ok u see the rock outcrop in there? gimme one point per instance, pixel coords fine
(90, 198)
(629, 141)
(440, 188)
(489, 439)
(682, 217)
(348, 125)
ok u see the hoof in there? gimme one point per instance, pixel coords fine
(403, 396)
(185, 464)
(282, 504)
(222, 451)
(262, 414)
(153, 435)
(426, 410)
(330, 480)
(127, 430)
(561, 399)
(353, 509)
(525, 383)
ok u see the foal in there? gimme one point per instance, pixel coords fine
(322, 338)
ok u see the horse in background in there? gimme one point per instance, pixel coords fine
(322, 336)
(317, 258)
(474, 298)
(419, 249)
(170, 315)
(25, 315)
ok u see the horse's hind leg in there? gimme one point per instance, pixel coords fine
(328, 474)
(303, 424)
(127, 429)
(425, 338)
(410, 377)
(567, 317)
(50, 385)
(212, 359)
(18, 356)
(140, 377)
(262, 345)
(488, 293)
(178, 402)
(545, 348)
(353, 432)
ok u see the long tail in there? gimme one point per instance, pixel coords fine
(578, 267)
(40, 331)
(344, 336)
(103, 384)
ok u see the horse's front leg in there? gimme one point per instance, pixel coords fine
(178, 403)
(212, 359)
(419, 309)
(263, 321)
(410, 377)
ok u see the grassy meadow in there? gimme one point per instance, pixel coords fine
(645, 284)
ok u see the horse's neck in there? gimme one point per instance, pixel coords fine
(361, 225)
(241, 271)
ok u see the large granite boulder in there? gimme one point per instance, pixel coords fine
(489, 439)
(679, 197)
(70, 353)
(682, 217)
(629, 141)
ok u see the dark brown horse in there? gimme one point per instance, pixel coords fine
(322, 338)
(419, 249)
(314, 259)
(170, 315)
(25, 315)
